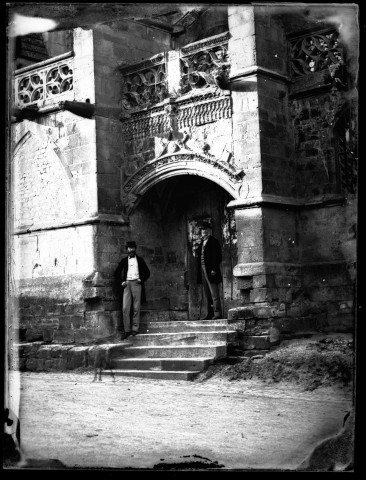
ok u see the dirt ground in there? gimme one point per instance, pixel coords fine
(267, 413)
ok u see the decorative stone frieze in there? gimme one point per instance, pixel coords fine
(144, 84)
(146, 124)
(39, 85)
(203, 111)
(315, 52)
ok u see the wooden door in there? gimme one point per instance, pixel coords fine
(208, 202)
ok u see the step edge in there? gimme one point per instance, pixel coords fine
(164, 372)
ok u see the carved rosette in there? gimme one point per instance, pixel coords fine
(40, 85)
(315, 52)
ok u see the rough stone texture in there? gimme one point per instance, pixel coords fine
(38, 356)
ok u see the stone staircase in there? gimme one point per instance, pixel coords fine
(175, 350)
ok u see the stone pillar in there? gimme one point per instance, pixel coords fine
(84, 81)
(258, 55)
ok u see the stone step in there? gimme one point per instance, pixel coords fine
(156, 364)
(181, 351)
(184, 338)
(162, 315)
(182, 326)
(156, 374)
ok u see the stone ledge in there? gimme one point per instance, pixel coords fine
(39, 356)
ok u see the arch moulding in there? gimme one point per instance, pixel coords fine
(184, 162)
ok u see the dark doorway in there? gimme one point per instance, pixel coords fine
(165, 226)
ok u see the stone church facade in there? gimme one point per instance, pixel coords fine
(246, 118)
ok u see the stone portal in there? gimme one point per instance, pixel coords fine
(165, 226)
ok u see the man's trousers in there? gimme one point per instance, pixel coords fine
(131, 295)
(212, 294)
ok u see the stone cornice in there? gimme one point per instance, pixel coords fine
(275, 201)
(256, 70)
(260, 268)
(49, 61)
(98, 219)
(151, 62)
(205, 43)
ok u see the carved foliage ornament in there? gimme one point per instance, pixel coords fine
(207, 68)
(144, 84)
(315, 52)
(38, 86)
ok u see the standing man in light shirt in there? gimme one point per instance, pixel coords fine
(209, 258)
(132, 273)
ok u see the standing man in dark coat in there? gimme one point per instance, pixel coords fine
(209, 274)
(131, 274)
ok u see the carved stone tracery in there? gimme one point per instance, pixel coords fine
(315, 52)
(205, 68)
(144, 84)
(37, 86)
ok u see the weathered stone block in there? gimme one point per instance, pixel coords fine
(31, 364)
(264, 312)
(64, 336)
(82, 335)
(30, 349)
(65, 323)
(76, 358)
(244, 283)
(240, 313)
(254, 342)
(33, 335)
(258, 295)
(257, 326)
(77, 321)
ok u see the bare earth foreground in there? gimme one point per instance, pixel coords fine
(213, 422)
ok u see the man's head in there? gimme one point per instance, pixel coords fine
(205, 229)
(131, 247)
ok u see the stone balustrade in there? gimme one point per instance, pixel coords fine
(44, 83)
(203, 66)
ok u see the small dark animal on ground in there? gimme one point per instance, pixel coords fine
(102, 362)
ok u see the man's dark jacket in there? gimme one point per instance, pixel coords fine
(212, 259)
(120, 276)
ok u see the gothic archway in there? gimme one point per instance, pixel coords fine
(164, 225)
(177, 163)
